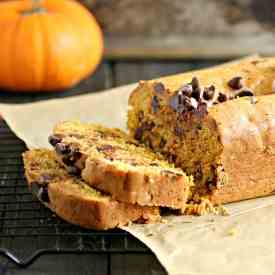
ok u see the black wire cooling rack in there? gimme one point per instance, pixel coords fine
(28, 230)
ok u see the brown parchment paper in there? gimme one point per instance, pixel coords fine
(240, 244)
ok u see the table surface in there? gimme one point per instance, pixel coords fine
(110, 73)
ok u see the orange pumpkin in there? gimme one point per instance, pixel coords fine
(47, 45)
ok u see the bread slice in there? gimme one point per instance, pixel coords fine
(111, 162)
(73, 200)
(216, 124)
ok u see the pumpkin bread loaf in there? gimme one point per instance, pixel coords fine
(73, 200)
(111, 162)
(216, 124)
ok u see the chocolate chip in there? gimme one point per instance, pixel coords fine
(222, 97)
(178, 131)
(186, 90)
(175, 103)
(209, 92)
(62, 149)
(155, 104)
(75, 154)
(196, 94)
(181, 103)
(199, 127)
(198, 174)
(75, 171)
(154, 164)
(148, 126)
(162, 143)
(159, 87)
(201, 111)
(194, 103)
(105, 148)
(244, 93)
(236, 83)
(68, 161)
(133, 163)
(195, 83)
(54, 139)
(139, 133)
(172, 158)
(172, 173)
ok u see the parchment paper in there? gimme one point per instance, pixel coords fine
(242, 243)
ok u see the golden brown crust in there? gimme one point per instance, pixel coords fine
(74, 201)
(245, 126)
(258, 74)
(247, 133)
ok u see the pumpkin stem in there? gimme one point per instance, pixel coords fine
(36, 8)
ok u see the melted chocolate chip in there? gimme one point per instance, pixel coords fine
(159, 88)
(139, 133)
(54, 139)
(62, 149)
(222, 97)
(195, 83)
(154, 164)
(244, 93)
(209, 92)
(155, 104)
(236, 83)
(186, 90)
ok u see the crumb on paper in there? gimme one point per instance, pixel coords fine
(222, 210)
(205, 206)
(232, 231)
(129, 223)
(164, 220)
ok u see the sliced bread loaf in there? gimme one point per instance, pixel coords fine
(111, 162)
(216, 124)
(73, 200)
